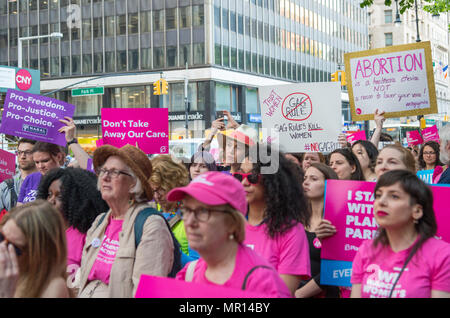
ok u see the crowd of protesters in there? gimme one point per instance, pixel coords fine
(233, 221)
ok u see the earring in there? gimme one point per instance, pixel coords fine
(231, 237)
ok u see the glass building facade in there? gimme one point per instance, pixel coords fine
(284, 40)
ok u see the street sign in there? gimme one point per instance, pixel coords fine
(88, 91)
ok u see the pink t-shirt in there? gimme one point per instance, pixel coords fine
(287, 253)
(262, 280)
(376, 269)
(107, 253)
(75, 242)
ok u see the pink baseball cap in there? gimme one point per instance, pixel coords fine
(213, 188)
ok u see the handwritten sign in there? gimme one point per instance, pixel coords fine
(146, 128)
(163, 287)
(359, 135)
(7, 165)
(293, 116)
(349, 207)
(35, 117)
(430, 133)
(400, 78)
(414, 138)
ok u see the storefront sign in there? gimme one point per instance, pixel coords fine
(254, 118)
(7, 165)
(300, 117)
(35, 117)
(91, 120)
(21, 79)
(181, 116)
(145, 128)
(396, 79)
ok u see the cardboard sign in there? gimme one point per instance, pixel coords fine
(396, 79)
(164, 287)
(414, 138)
(7, 165)
(145, 128)
(430, 133)
(35, 117)
(426, 175)
(359, 135)
(300, 117)
(349, 207)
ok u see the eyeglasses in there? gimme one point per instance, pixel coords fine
(26, 153)
(112, 172)
(3, 238)
(251, 177)
(428, 153)
(201, 215)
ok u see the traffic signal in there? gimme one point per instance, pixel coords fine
(423, 123)
(157, 88)
(334, 77)
(165, 86)
(343, 81)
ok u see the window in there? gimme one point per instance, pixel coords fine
(158, 57)
(223, 95)
(97, 28)
(110, 60)
(98, 63)
(146, 58)
(87, 29)
(110, 25)
(145, 21)
(158, 20)
(121, 25)
(198, 16)
(76, 65)
(54, 66)
(171, 19)
(387, 16)
(133, 60)
(185, 17)
(171, 56)
(185, 51)
(133, 23)
(87, 64)
(388, 39)
(121, 60)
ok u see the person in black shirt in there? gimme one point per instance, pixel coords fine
(314, 187)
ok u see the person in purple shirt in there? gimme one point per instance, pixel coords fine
(46, 157)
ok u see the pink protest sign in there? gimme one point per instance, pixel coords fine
(349, 207)
(99, 142)
(35, 117)
(359, 135)
(7, 165)
(430, 133)
(163, 287)
(146, 128)
(414, 138)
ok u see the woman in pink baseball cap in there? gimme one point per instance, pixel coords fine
(213, 205)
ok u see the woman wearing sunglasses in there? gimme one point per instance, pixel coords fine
(277, 213)
(213, 205)
(36, 260)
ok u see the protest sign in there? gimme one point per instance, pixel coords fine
(145, 128)
(300, 117)
(414, 138)
(7, 165)
(359, 135)
(426, 175)
(35, 117)
(164, 287)
(99, 142)
(396, 79)
(430, 133)
(349, 207)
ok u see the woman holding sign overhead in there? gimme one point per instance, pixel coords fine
(405, 260)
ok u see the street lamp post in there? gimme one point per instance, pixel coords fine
(27, 38)
(417, 22)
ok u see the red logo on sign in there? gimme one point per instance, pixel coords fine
(297, 107)
(23, 80)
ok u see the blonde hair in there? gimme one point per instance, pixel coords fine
(238, 221)
(406, 156)
(167, 174)
(45, 252)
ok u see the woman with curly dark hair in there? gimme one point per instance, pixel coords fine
(277, 213)
(73, 192)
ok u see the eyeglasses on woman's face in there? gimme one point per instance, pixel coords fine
(251, 177)
(16, 249)
(428, 153)
(113, 173)
(201, 214)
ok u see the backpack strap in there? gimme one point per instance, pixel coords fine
(190, 271)
(13, 197)
(244, 284)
